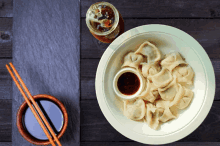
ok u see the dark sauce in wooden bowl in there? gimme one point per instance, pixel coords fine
(128, 83)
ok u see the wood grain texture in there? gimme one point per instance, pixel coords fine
(6, 8)
(161, 9)
(139, 144)
(205, 31)
(134, 144)
(5, 37)
(94, 126)
(88, 68)
(5, 80)
(87, 88)
(88, 72)
(5, 120)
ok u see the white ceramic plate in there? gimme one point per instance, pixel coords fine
(167, 39)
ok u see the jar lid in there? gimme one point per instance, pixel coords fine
(52, 113)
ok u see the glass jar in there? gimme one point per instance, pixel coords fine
(104, 22)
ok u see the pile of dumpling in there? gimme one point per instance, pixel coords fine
(165, 92)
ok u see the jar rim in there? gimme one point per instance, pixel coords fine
(116, 14)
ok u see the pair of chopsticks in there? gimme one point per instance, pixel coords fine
(38, 115)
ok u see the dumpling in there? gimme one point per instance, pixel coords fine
(172, 60)
(184, 74)
(150, 51)
(164, 92)
(132, 60)
(146, 91)
(178, 96)
(148, 70)
(150, 93)
(167, 114)
(185, 101)
(153, 115)
(152, 96)
(134, 110)
(163, 78)
(169, 92)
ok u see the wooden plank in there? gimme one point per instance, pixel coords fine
(205, 31)
(134, 144)
(161, 9)
(5, 120)
(6, 8)
(87, 88)
(5, 80)
(88, 67)
(5, 37)
(139, 144)
(88, 72)
(94, 126)
(5, 143)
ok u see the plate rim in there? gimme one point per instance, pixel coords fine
(205, 108)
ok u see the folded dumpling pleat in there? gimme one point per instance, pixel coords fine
(134, 110)
(153, 115)
(162, 79)
(152, 96)
(169, 92)
(172, 60)
(148, 70)
(185, 101)
(165, 81)
(167, 114)
(150, 51)
(184, 74)
(132, 60)
(150, 93)
(178, 96)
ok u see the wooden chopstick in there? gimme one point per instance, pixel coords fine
(35, 104)
(29, 104)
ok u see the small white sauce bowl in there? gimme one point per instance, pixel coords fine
(115, 81)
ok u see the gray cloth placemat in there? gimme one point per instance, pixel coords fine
(46, 53)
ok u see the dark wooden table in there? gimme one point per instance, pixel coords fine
(199, 18)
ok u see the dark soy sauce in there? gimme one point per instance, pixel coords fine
(128, 83)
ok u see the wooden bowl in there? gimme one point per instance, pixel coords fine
(23, 130)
